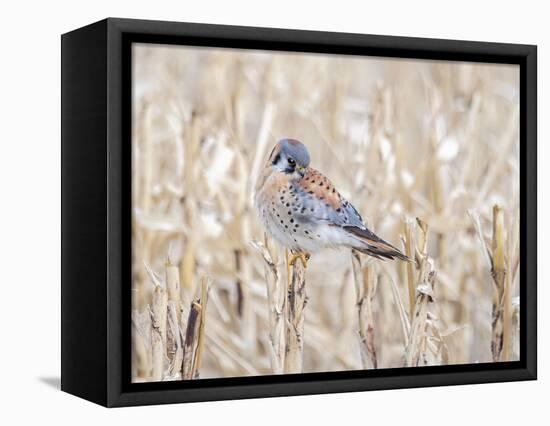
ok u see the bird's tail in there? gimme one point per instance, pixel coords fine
(369, 243)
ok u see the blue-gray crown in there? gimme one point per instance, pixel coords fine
(296, 150)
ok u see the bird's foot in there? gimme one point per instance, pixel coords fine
(304, 257)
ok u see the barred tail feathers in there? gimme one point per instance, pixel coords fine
(369, 243)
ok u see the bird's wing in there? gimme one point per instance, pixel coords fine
(321, 201)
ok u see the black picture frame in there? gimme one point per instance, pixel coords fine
(96, 246)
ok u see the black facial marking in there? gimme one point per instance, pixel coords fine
(276, 159)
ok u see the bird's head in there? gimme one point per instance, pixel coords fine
(290, 156)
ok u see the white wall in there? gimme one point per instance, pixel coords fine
(30, 209)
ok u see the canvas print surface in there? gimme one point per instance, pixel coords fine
(296, 213)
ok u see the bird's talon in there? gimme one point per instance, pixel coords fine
(304, 257)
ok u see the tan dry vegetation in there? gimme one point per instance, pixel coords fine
(400, 139)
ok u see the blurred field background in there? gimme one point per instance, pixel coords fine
(400, 139)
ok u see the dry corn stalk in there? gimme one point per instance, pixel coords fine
(173, 283)
(415, 351)
(498, 258)
(174, 345)
(194, 335)
(365, 287)
(158, 331)
(409, 251)
(141, 359)
(191, 341)
(174, 349)
(276, 301)
(295, 305)
(200, 343)
(159, 310)
(500, 295)
(187, 269)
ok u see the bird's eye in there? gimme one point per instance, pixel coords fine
(291, 161)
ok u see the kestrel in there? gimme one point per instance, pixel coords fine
(301, 208)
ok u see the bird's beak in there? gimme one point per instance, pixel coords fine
(301, 170)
